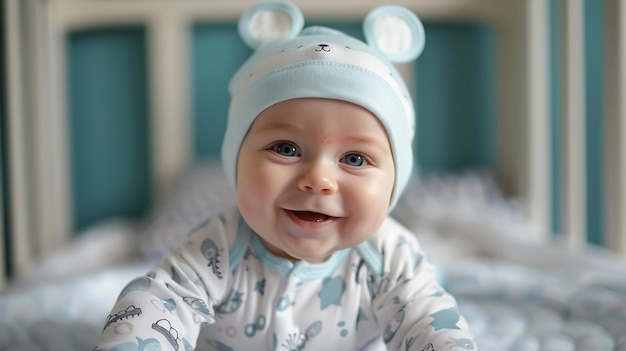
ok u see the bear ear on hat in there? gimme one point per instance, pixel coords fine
(269, 21)
(394, 32)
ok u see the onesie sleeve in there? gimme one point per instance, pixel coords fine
(165, 309)
(412, 308)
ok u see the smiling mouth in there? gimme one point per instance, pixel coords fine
(311, 216)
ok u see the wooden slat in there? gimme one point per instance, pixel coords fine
(538, 114)
(37, 170)
(17, 156)
(58, 189)
(50, 169)
(170, 100)
(523, 157)
(615, 126)
(574, 211)
(3, 220)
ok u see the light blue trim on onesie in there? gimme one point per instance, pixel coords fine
(238, 250)
(372, 257)
(301, 269)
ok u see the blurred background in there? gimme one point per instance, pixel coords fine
(105, 102)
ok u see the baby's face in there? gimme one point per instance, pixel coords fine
(314, 176)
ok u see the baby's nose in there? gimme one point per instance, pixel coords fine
(319, 179)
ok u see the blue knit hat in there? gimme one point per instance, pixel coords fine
(320, 62)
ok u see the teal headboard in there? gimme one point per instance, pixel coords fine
(109, 124)
(456, 99)
(217, 52)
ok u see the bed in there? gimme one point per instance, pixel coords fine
(487, 219)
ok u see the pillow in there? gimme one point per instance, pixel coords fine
(199, 193)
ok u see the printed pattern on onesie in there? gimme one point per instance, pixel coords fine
(222, 290)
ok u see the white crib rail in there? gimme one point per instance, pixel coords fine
(615, 126)
(37, 169)
(574, 167)
(536, 142)
(169, 53)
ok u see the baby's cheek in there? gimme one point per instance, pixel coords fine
(254, 184)
(250, 210)
(378, 191)
(253, 193)
(246, 196)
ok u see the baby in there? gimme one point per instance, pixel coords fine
(319, 148)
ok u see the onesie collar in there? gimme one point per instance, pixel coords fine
(300, 269)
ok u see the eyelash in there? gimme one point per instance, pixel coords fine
(276, 147)
(360, 156)
(288, 146)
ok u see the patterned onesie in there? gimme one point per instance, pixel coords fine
(221, 289)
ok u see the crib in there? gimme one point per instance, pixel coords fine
(112, 120)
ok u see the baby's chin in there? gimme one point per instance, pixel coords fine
(297, 255)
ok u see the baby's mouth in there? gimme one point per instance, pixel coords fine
(311, 216)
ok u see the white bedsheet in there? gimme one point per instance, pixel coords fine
(514, 307)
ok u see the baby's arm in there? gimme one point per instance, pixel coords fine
(152, 311)
(424, 322)
(415, 312)
(166, 308)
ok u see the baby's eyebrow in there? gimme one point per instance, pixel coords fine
(381, 145)
(361, 139)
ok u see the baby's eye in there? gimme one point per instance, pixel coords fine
(354, 159)
(286, 149)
